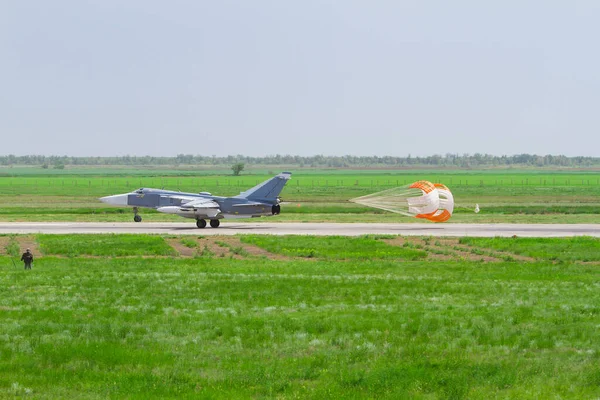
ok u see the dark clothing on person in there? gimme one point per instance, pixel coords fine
(27, 258)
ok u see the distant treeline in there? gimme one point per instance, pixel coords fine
(449, 160)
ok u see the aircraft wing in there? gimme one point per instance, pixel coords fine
(200, 203)
(195, 207)
(184, 199)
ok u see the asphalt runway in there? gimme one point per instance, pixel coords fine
(322, 229)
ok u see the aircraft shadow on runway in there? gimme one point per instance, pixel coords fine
(222, 227)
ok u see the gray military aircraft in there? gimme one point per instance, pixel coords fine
(262, 200)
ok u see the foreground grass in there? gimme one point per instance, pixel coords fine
(113, 245)
(560, 249)
(315, 328)
(333, 247)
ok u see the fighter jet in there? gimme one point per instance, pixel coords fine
(262, 200)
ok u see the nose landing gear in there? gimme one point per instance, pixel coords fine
(136, 216)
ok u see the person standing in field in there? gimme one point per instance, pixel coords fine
(27, 258)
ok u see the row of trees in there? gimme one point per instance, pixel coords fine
(453, 160)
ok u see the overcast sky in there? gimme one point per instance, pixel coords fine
(155, 77)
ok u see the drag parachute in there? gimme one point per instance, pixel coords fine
(443, 213)
(421, 199)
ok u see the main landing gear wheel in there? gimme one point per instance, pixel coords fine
(214, 223)
(201, 223)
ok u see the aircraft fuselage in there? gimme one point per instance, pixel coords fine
(261, 200)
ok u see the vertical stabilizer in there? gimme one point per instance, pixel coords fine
(268, 190)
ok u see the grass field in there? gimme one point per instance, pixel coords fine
(571, 196)
(141, 316)
(126, 316)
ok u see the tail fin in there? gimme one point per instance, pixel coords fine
(268, 190)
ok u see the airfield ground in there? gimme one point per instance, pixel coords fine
(233, 247)
(264, 316)
(504, 196)
(229, 228)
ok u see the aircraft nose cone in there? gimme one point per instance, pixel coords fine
(116, 200)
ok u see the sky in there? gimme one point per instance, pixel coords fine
(258, 78)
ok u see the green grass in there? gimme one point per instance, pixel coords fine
(240, 251)
(113, 245)
(205, 252)
(561, 249)
(334, 327)
(332, 247)
(12, 248)
(523, 194)
(542, 209)
(189, 243)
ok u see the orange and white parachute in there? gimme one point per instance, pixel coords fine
(444, 212)
(421, 199)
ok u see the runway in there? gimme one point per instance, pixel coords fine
(320, 229)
